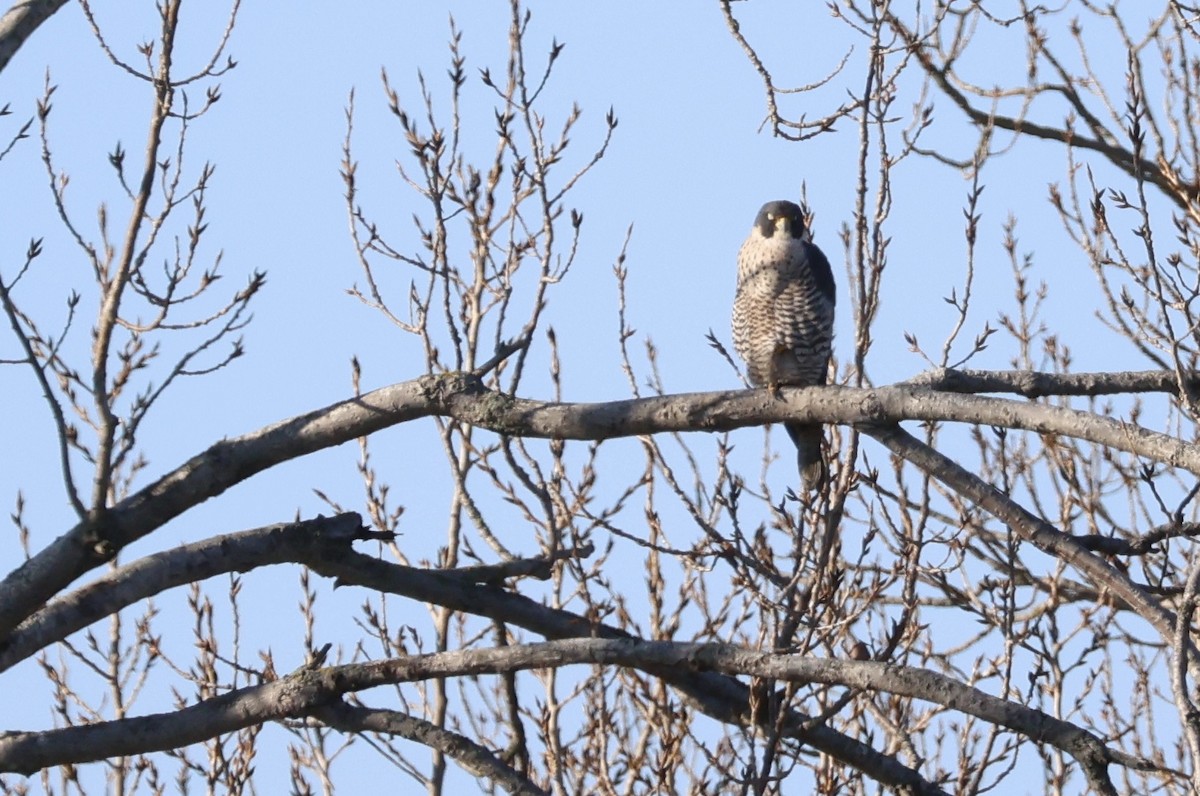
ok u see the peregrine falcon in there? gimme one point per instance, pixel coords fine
(783, 317)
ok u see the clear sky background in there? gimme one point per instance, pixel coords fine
(688, 168)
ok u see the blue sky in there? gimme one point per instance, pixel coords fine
(688, 168)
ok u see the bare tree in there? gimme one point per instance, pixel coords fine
(1005, 585)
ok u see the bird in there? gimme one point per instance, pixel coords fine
(783, 317)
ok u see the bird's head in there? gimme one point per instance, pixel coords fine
(782, 217)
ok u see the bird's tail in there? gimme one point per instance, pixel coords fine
(808, 453)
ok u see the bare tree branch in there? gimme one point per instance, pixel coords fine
(20, 22)
(465, 399)
(1040, 384)
(309, 691)
(1005, 589)
(1035, 529)
(471, 756)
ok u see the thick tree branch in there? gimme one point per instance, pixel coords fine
(722, 698)
(323, 544)
(1030, 527)
(1039, 384)
(476, 759)
(464, 398)
(321, 541)
(170, 569)
(20, 22)
(207, 475)
(309, 692)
